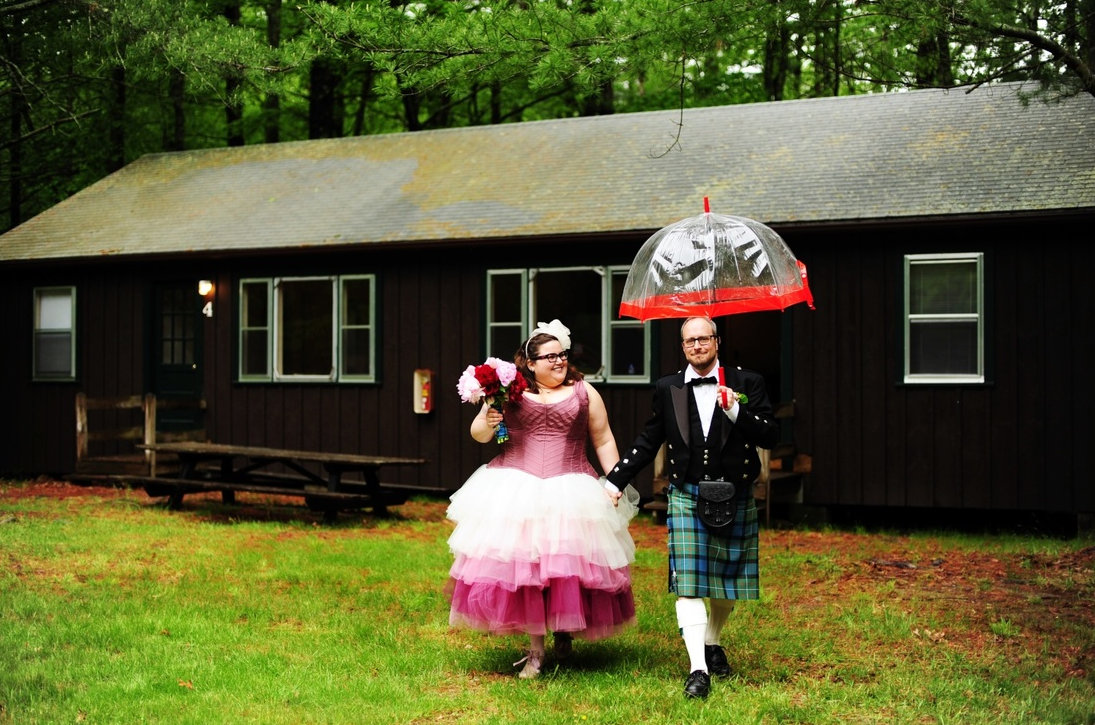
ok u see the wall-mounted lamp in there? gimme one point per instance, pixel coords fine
(205, 286)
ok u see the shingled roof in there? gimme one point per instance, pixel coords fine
(855, 158)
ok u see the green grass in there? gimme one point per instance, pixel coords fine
(116, 610)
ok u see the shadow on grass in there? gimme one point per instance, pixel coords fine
(211, 508)
(495, 656)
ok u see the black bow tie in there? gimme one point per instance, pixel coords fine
(703, 381)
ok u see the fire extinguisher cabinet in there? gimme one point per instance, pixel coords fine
(423, 391)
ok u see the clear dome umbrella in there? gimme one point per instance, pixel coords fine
(713, 265)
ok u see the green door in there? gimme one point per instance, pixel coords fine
(177, 324)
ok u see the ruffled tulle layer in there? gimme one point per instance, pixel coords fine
(533, 555)
(564, 606)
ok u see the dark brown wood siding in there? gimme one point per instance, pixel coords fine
(1018, 442)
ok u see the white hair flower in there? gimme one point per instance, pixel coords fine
(556, 329)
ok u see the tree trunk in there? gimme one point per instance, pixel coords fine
(271, 105)
(367, 81)
(115, 155)
(933, 63)
(176, 90)
(776, 52)
(13, 50)
(495, 102)
(1086, 42)
(233, 107)
(323, 82)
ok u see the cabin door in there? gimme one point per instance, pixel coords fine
(177, 352)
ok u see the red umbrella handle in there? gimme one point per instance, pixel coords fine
(722, 382)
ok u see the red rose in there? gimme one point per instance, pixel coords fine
(488, 379)
(517, 387)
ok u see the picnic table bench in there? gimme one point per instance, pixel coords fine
(230, 468)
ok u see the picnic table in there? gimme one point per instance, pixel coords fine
(230, 468)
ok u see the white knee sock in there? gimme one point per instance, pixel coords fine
(720, 612)
(692, 619)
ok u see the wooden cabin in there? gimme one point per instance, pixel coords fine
(326, 295)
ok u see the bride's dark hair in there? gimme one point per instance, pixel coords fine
(521, 359)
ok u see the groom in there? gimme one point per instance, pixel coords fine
(711, 432)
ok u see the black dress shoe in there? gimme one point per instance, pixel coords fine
(698, 684)
(716, 660)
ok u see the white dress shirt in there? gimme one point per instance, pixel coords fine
(707, 398)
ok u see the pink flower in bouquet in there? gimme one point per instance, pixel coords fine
(494, 382)
(484, 382)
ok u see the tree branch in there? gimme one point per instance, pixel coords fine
(28, 5)
(1040, 42)
(48, 127)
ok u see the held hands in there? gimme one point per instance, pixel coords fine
(614, 494)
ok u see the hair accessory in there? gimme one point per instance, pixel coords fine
(554, 328)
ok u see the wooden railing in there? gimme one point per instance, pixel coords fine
(780, 467)
(141, 429)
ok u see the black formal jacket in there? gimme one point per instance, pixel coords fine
(755, 427)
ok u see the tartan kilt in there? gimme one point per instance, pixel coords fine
(702, 565)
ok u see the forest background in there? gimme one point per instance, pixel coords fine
(87, 86)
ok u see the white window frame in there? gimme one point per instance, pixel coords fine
(978, 316)
(343, 325)
(521, 325)
(39, 293)
(615, 322)
(609, 317)
(274, 326)
(279, 325)
(240, 345)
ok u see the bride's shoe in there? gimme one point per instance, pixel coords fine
(533, 661)
(564, 646)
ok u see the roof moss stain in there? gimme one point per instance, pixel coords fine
(861, 157)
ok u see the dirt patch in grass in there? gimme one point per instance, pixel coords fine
(1031, 604)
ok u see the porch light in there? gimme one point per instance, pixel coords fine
(205, 286)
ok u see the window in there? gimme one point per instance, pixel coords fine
(308, 329)
(586, 300)
(507, 301)
(54, 333)
(944, 318)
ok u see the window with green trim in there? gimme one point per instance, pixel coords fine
(587, 300)
(308, 329)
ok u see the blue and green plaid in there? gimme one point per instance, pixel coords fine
(725, 566)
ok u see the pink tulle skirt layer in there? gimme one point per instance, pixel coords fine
(536, 555)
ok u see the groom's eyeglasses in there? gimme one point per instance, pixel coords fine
(552, 357)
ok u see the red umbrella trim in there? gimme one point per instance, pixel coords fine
(719, 302)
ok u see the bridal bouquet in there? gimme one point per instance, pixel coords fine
(494, 382)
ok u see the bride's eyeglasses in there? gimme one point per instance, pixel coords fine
(553, 357)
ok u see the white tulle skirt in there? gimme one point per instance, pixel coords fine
(533, 555)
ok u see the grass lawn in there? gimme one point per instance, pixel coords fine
(115, 610)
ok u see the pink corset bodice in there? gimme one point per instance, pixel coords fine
(548, 440)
